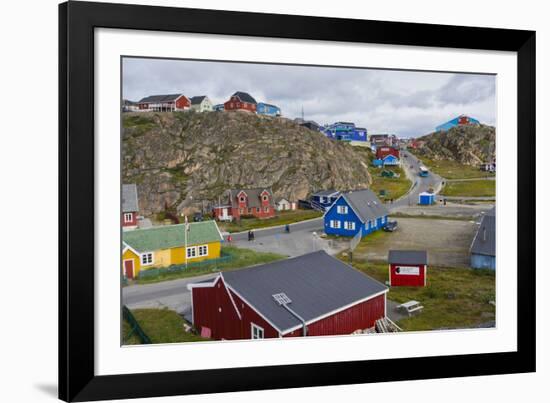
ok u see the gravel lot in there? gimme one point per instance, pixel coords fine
(447, 241)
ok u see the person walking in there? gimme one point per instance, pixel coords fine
(287, 229)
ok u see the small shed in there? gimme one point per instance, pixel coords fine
(426, 198)
(482, 251)
(283, 204)
(408, 268)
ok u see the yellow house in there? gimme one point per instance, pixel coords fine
(166, 245)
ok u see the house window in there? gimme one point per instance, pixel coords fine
(321, 199)
(203, 250)
(266, 209)
(249, 210)
(191, 252)
(257, 209)
(242, 199)
(147, 258)
(241, 210)
(256, 332)
(342, 209)
(264, 197)
(334, 224)
(128, 217)
(349, 225)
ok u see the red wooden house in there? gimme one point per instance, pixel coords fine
(408, 268)
(384, 151)
(164, 103)
(309, 295)
(241, 101)
(256, 202)
(129, 206)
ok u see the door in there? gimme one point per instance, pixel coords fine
(129, 269)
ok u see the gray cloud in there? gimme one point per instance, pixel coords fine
(407, 103)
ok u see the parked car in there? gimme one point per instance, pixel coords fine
(197, 217)
(390, 226)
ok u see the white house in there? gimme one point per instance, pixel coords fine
(201, 104)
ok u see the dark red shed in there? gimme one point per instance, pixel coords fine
(408, 268)
(309, 295)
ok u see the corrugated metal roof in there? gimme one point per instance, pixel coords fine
(408, 257)
(365, 204)
(485, 240)
(316, 283)
(129, 198)
(171, 236)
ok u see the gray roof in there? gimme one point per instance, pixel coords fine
(253, 196)
(244, 97)
(408, 257)
(316, 283)
(365, 204)
(197, 100)
(129, 198)
(485, 239)
(327, 192)
(161, 98)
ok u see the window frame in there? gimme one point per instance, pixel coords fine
(253, 327)
(126, 220)
(191, 248)
(147, 262)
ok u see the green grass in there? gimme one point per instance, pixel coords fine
(127, 338)
(282, 218)
(453, 170)
(453, 298)
(241, 258)
(163, 326)
(394, 187)
(476, 188)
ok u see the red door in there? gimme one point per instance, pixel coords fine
(129, 268)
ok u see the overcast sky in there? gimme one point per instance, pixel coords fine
(406, 103)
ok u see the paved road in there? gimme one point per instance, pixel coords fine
(315, 224)
(170, 294)
(295, 243)
(411, 165)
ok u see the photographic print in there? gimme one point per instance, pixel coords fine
(272, 200)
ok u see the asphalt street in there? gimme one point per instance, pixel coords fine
(411, 166)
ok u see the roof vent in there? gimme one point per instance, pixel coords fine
(281, 298)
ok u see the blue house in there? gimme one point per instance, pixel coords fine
(461, 120)
(390, 160)
(323, 199)
(267, 109)
(354, 211)
(346, 131)
(482, 251)
(377, 163)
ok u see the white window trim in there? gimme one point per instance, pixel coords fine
(349, 225)
(199, 250)
(128, 217)
(336, 224)
(187, 252)
(144, 254)
(342, 209)
(259, 328)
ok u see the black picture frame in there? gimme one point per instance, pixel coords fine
(77, 21)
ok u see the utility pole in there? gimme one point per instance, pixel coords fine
(302, 113)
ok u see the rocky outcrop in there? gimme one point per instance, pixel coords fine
(469, 145)
(189, 159)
